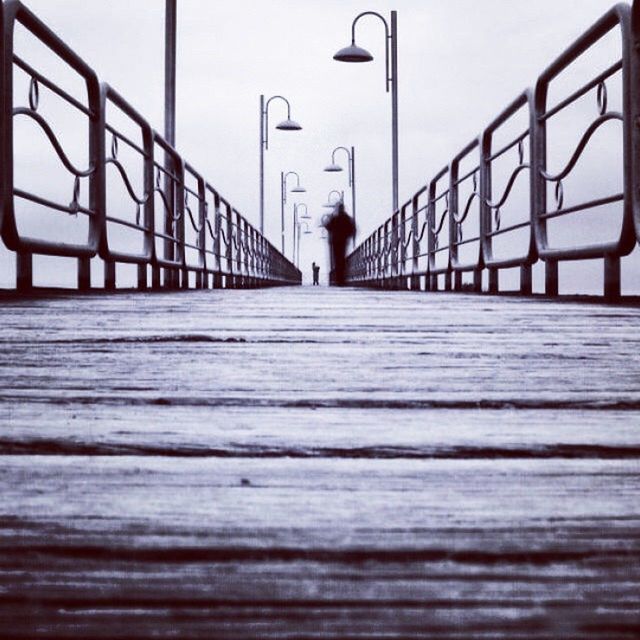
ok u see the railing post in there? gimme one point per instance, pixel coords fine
(494, 280)
(447, 280)
(24, 271)
(477, 280)
(230, 280)
(551, 278)
(611, 278)
(388, 255)
(217, 275)
(142, 276)
(109, 275)
(457, 281)
(156, 277)
(84, 274)
(402, 236)
(254, 256)
(258, 250)
(526, 280)
(395, 254)
(415, 246)
(239, 250)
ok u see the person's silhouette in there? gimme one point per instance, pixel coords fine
(341, 228)
(316, 273)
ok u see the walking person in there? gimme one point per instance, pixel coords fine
(316, 273)
(341, 229)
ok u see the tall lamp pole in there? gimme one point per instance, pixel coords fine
(170, 72)
(304, 216)
(283, 197)
(285, 125)
(307, 231)
(333, 167)
(353, 53)
(170, 29)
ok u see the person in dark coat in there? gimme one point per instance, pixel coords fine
(316, 273)
(341, 229)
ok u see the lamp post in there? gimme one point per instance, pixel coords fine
(170, 72)
(330, 204)
(170, 30)
(285, 125)
(306, 232)
(283, 197)
(333, 167)
(296, 218)
(353, 53)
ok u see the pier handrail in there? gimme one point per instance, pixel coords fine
(170, 214)
(476, 220)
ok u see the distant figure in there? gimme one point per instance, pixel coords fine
(341, 229)
(316, 273)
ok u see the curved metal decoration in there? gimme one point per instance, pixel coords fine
(44, 125)
(16, 13)
(584, 140)
(619, 17)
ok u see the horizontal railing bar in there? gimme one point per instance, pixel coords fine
(466, 241)
(27, 68)
(126, 223)
(193, 193)
(126, 140)
(581, 207)
(165, 236)
(582, 91)
(25, 195)
(513, 227)
(465, 177)
(508, 146)
(168, 174)
(442, 195)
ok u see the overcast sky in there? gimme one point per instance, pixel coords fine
(460, 63)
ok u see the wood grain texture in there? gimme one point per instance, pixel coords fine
(309, 463)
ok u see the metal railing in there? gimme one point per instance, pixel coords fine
(177, 223)
(450, 222)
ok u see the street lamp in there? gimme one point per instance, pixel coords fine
(354, 53)
(285, 125)
(330, 204)
(283, 197)
(296, 219)
(306, 232)
(333, 167)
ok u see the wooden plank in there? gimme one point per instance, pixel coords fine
(318, 463)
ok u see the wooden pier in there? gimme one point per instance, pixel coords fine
(318, 463)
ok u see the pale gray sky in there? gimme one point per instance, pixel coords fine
(460, 63)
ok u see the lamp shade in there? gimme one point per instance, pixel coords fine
(288, 125)
(353, 53)
(333, 167)
(298, 189)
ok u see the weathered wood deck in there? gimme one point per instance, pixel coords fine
(309, 463)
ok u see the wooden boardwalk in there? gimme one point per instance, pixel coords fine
(303, 463)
